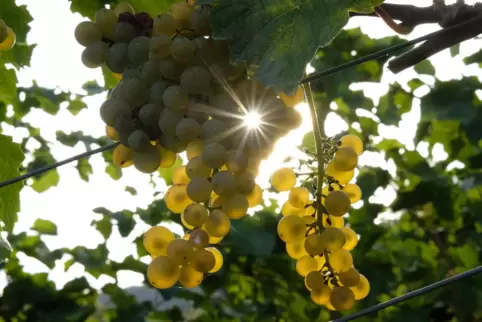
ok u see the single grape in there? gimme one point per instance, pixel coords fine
(130, 71)
(168, 157)
(291, 229)
(176, 198)
(149, 115)
(95, 54)
(314, 245)
(175, 98)
(203, 260)
(214, 155)
(85, 33)
(299, 197)
(156, 91)
(296, 250)
(213, 130)
(160, 47)
(353, 191)
(187, 129)
(197, 168)
(4, 31)
(9, 41)
(362, 289)
(164, 24)
(350, 237)
(224, 183)
(199, 238)
(179, 251)
(124, 125)
(343, 177)
(353, 142)
(332, 221)
(112, 108)
(321, 296)
(345, 159)
(147, 160)
(189, 277)
(172, 143)
(201, 21)
(124, 33)
(156, 240)
(111, 133)
(117, 58)
(333, 238)
(341, 260)
(181, 10)
(342, 298)
(218, 259)
(287, 209)
(245, 182)
(194, 149)
(171, 69)
(179, 175)
(196, 80)
(350, 277)
(217, 224)
(134, 91)
(139, 141)
(283, 179)
(162, 273)
(305, 265)
(123, 8)
(255, 197)
(199, 189)
(123, 156)
(314, 281)
(237, 161)
(236, 206)
(106, 21)
(337, 203)
(195, 215)
(149, 72)
(183, 49)
(168, 121)
(139, 49)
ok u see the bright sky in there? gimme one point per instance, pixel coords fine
(56, 64)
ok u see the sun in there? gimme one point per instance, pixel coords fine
(252, 120)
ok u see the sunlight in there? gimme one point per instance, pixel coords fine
(252, 120)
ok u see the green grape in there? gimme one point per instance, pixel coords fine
(195, 215)
(134, 91)
(333, 238)
(224, 183)
(197, 168)
(283, 179)
(218, 259)
(361, 290)
(245, 182)
(350, 277)
(351, 239)
(157, 90)
(106, 21)
(314, 245)
(149, 115)
(160, 47)
(218, 223)
(341, 260)
(162, 273)
(183, 49)
(149, 72)
(196, 80)
(291, 229)
(214, 155)
(201, 21)
(124, 33)
(85, 33)
(321, 295)
(199, 189)
(342, 298)
(352, 141)
(156, 240)
(129, 72)
(175, 98)
(172, 143)
(237, 161)
(4, 31)
(170, 69)
(139, 141)
(181, 10)
(337, 203)
(314, 281)
(345, 159)
(199, 238)
(299, 197)
(189, 277)
(164, 24)
(306, 264)
(180, 252)
(168, 121)
(213, 130)
(95, 54)
(187, 129)
(112, 108)
(194, 149)
(196, 111)
(147, 160)
(235, 206)
(139, 49)
(117, 58)
(203, 260)
(123, 8)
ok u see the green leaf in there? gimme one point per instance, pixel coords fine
(5, 249)
(166, 173)
(251, 238)
(46, 181)
(281, 36)
(17, 18)
(104, 226)
(8, 85)
(131, 190)
(45, 227)
(84, 168)
(455, 50)
(425, 67)
(76, 106)
(92, 88)
(467, 255)
(11, 158)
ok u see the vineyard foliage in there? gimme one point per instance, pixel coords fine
(430, 231)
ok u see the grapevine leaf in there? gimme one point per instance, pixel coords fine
(5, 249)
(425, 67)
(10, 160)
(281, 36)
(308, 142)
(45, 227)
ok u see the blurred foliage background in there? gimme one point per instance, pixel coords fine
(430, 231)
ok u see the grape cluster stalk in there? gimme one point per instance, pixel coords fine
(7, 36)
(178, 92)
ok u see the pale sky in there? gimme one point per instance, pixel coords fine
(56, 64)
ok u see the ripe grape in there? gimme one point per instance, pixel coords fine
(291, 229)
(179, 251)
(283, 179)
(350, 237)
(156, 240)
(224, 183)
(139, 141)
(199, 238)
(195, 215)
(179, 175)
(199, 189)
(321, 295)
(168, 121)
(156, 91)
(194, 149)
(314, 281)
(124, 125)
(332, 221)
(295, 99)
(296, 250)
(162, 273)
(255, 197)
(4, 31)
(350, 278)
(214, 155)
(314, 245)
(343, 177)
(133, 91)
(201, 21)
(149, 72)
(333, 238)
(218, 259)
(176, 198)
(181, 10)
(95, 54)
(123, 156)
(299, 197)
(175, 98)
(106, 21)
(123, 8)
(217, 224)
(342, 298)
(235, 206)
(197, 168)
(160, 46)
(341, 260)
(187, 129)
(245, 182)
(139, 49)
(353, 191)
(203, 260)
(164, 24)
(287, 209)
(213, 130)
(337, 203)
(170, 69)
(352, 141)
(147, 160)
(8, 42)
(195, 80)
(112, 108)
(149, 115)
(237, 161)
(111, 133)
(85, 33)
(168, 158)
(362, 289)
(117, 58)
(183, 49)
(345, 159)
(189, 277)
(124, 33)
(305, 265)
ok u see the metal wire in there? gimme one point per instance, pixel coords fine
(410, 295)
(57, 164)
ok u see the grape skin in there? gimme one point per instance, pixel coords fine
(187, 129)
(85, 33)
(95, 54)
(139, 49)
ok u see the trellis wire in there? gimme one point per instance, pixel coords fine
(57, 164)
(420, 291)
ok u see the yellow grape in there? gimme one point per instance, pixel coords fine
(123, 156)
(296, 250)
(306, 264)
(176, 198)
(320, 260)
(299, 197)
(236, 206)
(321, 296)
(203, 260)
(331, 221)
(343, 177)
(342, 298)
(327, 189)
(196, 168)
(215, 240)
(350, 278)
(199, 238)
(122, 8)
(245, 182)
(111, 133)
(185, 224)
(293, 100)
(333, 238)
(3, 31)
(283, 179)
(288, 210)
(314, 245)
(179, 251)
(309, 220)
(217, 224)
(194, 149)
(199, 189)
(337, 203)
(310, 210)
(195, 215)
(162, 273)
(255, 197)
(345, 159)
(362, 289)
(353, 142)
(351, 239)
(156, 240)
(341, 260)
(8, 42)
(179, 175)
(218, 259)
(189, 277)
(168, 158)
(353, 191)
(291, 229)
(314, 280)
(329, 306)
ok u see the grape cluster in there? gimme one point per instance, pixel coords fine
(7, 36)
(314, 230)
(179, 93)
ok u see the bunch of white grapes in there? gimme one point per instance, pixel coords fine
(316, 236)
